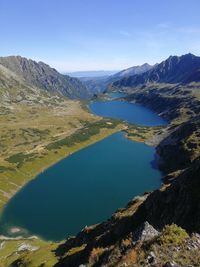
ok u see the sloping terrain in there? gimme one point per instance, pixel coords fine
(40, 75)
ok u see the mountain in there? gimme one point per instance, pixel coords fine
(110, 73)
(96, 85)
(184, 69)
(8, 78)
(89, 74)
(40, 75)
(133, 71)
(99, 84)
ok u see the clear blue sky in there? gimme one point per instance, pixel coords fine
(75, 35)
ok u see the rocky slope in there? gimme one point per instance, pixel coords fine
(40, 75)
(184, 69)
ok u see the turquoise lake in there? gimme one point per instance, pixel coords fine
(130, 112)
(89, 185)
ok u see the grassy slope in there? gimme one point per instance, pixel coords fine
(43, 252)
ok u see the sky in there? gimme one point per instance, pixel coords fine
(79, 35)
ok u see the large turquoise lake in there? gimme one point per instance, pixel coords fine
(84, 188)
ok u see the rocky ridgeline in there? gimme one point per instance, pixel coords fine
(184, 69)
(18, 71)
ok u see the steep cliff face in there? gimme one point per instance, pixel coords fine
(178, 203)
(181, 146)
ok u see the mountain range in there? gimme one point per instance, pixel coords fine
(94, 73)
(17, 70)
(183, 69)
(133, 71)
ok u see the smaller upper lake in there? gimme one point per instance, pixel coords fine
(115, 95)
(130, 112)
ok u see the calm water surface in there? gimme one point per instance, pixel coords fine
(83, 189)
(130, 112)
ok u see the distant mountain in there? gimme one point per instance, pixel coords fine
(100, 84)
(96, 85)
(40, 75)
(89, 74)
(175, 69)
(133, 70)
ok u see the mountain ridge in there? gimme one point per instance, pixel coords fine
(134, 70)
(41, 75)
(174, 69)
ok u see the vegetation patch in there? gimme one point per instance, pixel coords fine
(20, 158)
(75, 250)
(172, 234)
(4, 168)
(142, 133)
(83, 134)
